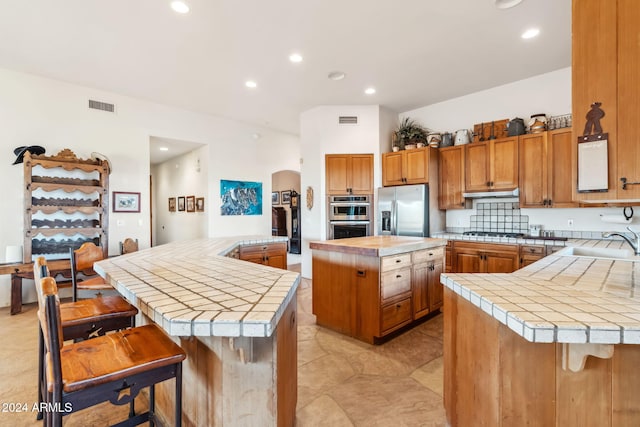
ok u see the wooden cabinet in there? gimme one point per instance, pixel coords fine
(452, 175)
(395, 292)
(605, 69)
(271, 254)
(427, 290)
(349, 173)
(448, 257)
(477, 257)
(491, 165)
(66, 202)
(531, 253)
(547, 169)
(409, 166)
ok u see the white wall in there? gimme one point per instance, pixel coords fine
(185, 175)
(321, 134)
(548, 93)
(35, 110)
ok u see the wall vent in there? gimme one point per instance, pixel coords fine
(348, 120)
(104, 106)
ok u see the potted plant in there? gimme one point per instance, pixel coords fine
(410, 134)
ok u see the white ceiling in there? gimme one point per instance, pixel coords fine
(414, 52)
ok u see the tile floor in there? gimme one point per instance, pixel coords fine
(341, 381)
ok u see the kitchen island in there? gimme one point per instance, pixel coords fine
(370, 287)
(235, 319)
(552, 344)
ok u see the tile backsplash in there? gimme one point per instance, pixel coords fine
(499, 217)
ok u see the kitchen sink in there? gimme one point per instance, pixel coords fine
(607, 253)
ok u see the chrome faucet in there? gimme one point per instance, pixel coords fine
(635, 245)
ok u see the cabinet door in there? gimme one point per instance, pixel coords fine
(417, 166)
(477, 167)
(533, 170)
(436, 291)
(504, 164)
(420, 289)
(628, 142)
(336, 170)
(451, 164)
(360, 174)
(392, 168)
(500, 262)
(561, 169)
(467, 261)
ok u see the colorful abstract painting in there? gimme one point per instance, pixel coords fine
(240, 197)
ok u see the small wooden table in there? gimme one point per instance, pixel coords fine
(19, 271)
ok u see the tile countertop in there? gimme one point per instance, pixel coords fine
(563, 299)
(191, 288)
(377, 245)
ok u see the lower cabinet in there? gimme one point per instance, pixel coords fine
(271, 254)
(476, 257)
(531, 253)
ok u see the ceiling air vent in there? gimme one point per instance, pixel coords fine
(348, 120)
(104, 106)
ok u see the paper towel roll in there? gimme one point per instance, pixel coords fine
(617, 219)
(13, 254)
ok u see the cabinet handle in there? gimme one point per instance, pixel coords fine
(430, 253)
(398, 260)
(521, 260)
(398, 276)
(544, 202)
(361, 273)
(550, 202)
(461, 203)
(398, 305)
(532, 250)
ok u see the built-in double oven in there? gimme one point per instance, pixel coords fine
(349, 216)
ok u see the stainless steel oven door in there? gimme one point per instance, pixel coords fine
(346, 229)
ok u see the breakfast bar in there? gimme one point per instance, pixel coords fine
(236, 320)
(554, 343)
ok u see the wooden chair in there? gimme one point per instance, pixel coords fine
(113, 367)
(129, 245)
(82, 274)
(82, 319)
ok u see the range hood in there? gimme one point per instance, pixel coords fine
(487, 194)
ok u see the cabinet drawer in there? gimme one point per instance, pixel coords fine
(396, 314)
(435, 254)
(395, 282)
(532, 250)
(394, 262)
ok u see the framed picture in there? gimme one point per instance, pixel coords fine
(172, 204)
(124, 201)
(200, 204)
(181, 203)
(286, 197)
(191, 203)
(275, 198)
(240, 197)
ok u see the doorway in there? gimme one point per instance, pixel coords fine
(283, 184)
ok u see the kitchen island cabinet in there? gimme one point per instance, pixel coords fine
(553, 344)
(236, 321)
(369, 287)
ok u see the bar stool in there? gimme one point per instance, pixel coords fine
(82, 260)
(83, 319)
(128, 245)
(113, 367)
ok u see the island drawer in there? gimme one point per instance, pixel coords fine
(395, 282)
(396, 314)
(394, 262)
(427, 255)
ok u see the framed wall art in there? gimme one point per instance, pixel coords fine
(240, 197)
(286, 197)
(191, 203)
(200, 204)
(181, 203)
(124, 201)
(275, 197)
(172, 204)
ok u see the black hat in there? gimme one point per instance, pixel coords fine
(33, 149)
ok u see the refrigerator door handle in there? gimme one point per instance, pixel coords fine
(394, 218)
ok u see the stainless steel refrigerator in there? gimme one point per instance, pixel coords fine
(408, 210)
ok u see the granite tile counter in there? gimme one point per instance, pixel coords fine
(236, 320)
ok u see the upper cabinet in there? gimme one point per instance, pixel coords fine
(492, 165)
(547, 169)
(349, 173)
(605, 68)
(451, 177)
(408, 166)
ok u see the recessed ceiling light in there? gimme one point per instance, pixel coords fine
(506, 4)
(295, 57)
(370, 91)
(530, 33)
(164, 149)
(336, 75)
(179, 6)
(251, 84)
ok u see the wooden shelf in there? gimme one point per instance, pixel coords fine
(68, 188)
(48, 232)
(48, 210)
